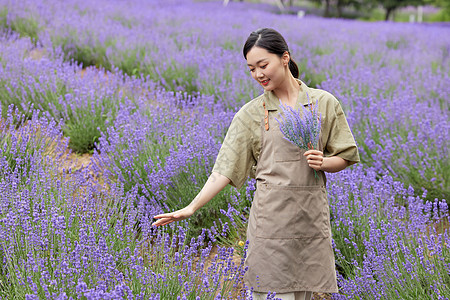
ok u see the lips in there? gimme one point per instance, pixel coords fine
(265, 82)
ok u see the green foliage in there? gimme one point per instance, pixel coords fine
(130, 61)
(26, 26)
(441, 16)
(391, 5)
(311, 77)
(444, 14)
(83, 123)
(88, 54)
(3, 16)
(173, 76)
(232, 231)
(392, 44)
(187, 184)
(126, 21)
(230, 45)
(85, 129)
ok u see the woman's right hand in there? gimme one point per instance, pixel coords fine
(215, 183)
(168, 218)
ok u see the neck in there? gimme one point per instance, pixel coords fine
(288, 91)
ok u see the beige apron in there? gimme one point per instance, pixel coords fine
(289, 224)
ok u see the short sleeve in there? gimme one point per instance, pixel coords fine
(340, 141)
(235, 158)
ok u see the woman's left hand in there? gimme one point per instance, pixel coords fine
(314, 159)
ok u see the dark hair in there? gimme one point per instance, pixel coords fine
(273, 42)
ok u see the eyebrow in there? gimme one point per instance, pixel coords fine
(250, 65)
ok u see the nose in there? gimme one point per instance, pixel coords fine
(259, 73)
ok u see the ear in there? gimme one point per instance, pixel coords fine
(286, 58)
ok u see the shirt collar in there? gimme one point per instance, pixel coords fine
(272, 102)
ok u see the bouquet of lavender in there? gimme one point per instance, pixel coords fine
(301, 129)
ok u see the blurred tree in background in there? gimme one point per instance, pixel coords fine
(357, 4)
(391, 5)
(367, 9)
(444, 14)
(339, 5)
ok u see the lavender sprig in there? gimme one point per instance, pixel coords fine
(301, 129)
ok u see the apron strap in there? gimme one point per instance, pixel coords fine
(266, 117)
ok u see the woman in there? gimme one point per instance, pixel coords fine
(289, 233)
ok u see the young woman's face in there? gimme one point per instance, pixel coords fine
(268, 69)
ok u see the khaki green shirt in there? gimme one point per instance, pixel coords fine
(238, 156)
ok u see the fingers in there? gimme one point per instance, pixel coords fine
(164, 219)
(167, 218)
(313, 152)
(314, 159)
(316, 167)
(313, 155)
(163, 222)
(167, 215)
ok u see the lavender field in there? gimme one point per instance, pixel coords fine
(148, 90)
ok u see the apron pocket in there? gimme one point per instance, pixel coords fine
(287, 151)
(291, 211)
(284, 150)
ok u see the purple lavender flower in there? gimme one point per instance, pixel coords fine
(301, 128)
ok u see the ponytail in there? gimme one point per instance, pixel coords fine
(293, 68)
